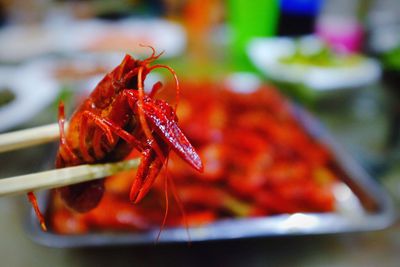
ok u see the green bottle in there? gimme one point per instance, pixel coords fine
(248, 19)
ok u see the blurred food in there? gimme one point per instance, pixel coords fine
(391, 59)
(6, 96)
(391, 79)
(322, 57)
(258, 161)
(391, 74)
(307, 61)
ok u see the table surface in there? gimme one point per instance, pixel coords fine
(360, 128)
(379, 248)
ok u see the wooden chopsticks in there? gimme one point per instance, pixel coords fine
(61, 177)
(52, 178)
(28, 137)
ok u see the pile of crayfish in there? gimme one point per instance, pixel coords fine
(258, 161)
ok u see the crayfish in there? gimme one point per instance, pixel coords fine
(116, 118)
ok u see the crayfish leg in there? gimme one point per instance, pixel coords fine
(100, 122)
(110, 128)
(39, 215)
(65, 151)
(82, 142)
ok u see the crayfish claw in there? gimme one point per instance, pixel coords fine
(147, 172)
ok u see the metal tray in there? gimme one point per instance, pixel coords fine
(362, 205)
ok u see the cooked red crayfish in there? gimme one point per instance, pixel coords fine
(116, 118)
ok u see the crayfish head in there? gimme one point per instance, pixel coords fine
(121, 77)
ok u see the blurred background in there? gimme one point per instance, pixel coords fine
(337, 59)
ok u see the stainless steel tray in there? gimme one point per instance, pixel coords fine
(362, 205)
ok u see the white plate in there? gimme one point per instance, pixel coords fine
(265, 53)
(34, 90)
(19, 43)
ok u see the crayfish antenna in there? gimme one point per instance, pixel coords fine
(142, 117)
(164, 222)
(181, 208)
(153, 55)
(168, 180)
(177, 86)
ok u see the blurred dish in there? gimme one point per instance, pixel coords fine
(131, 35)
(33, 90)
(79, 73)
(21, 43)
(278, 59)
(353, 203)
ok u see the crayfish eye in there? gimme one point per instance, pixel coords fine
(131, 83)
